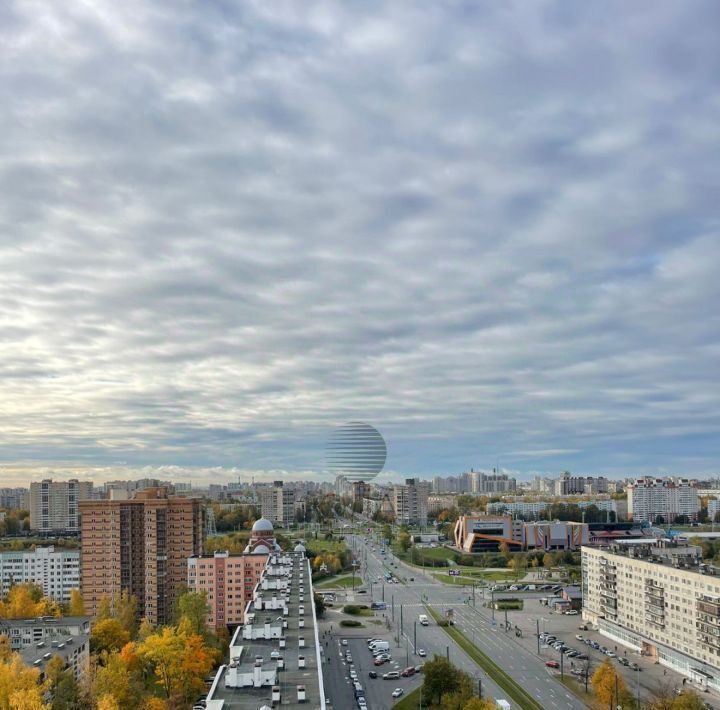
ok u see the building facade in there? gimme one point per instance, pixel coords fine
(38, 640)
(277, 504)
(14, 498)
(658, 599)
(569, 485)
(228, 581)
(140, 545)
(662, 500)
(56, 571)
(54, 505)
(410, 502)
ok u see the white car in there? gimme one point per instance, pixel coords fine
(344, 642)
(397, 692)
(421, 652)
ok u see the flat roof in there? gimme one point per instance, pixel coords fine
(291, 676)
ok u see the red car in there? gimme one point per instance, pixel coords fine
(408, 672)
(552, 664)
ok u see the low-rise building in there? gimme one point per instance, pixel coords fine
(38, 640)
(658, 599)
(56, 571)
(274, 655)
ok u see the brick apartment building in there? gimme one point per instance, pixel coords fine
(140, 545)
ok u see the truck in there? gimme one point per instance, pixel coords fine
(502, 704)
(423, 619)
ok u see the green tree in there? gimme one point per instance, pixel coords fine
(108, 635)
(404, 541)
(442, 678)
(319, 605)
(689, 700)
(194, 607)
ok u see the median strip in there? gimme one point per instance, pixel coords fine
(515, 691)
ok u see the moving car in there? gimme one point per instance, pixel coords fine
(421, 652)
(408, 672)
(344, 642)
(397, 692)
(372, 674)
(552, 664)
(391, 675)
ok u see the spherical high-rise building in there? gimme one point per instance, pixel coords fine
(357, 451)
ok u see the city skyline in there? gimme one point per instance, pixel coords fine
(488, 230)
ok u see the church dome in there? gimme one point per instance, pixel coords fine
(262, 525)
(261, 550)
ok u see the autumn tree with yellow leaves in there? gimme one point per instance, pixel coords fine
(26, 601)
(19, 687)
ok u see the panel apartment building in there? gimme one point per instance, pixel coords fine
(410, 502)
(54, 505)
(56, 571)
(277, 504)
(142, 545)
(658, 599)
(650, 499)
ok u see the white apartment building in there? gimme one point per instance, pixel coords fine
(56, 571)
(491, 483)
(410, 502)
(54, 504)
(713, 509)
(668, 498)
(658, 599)
(278, 504)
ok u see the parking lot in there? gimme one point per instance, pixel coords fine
(377, 691)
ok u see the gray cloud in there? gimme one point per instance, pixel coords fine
(490, 230)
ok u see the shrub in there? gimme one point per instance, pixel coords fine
(351, 622)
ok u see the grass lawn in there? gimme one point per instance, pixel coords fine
(515, 691)
(339, 582)
(411, 701)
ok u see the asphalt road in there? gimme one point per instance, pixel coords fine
(405, 603)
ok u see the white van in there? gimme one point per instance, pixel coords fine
(424, 620)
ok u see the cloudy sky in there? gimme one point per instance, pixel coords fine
(488, 228)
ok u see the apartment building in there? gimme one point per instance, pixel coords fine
(54, 505)
(658, 599)
(38, 640)
(228, 581)
(14, 498)
(662, 500)
(436, 503)
(410, 502)
(140, 544)
(569, 485)
(491, 483)
(275, 658)
(277, 504)
(56, 571)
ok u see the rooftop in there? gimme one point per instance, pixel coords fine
(267, 663)
(670, 553)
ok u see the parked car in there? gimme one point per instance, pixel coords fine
(635, 667)
(610, 654)
(391, 675)
(397, 692)
(552, 664)
(579, 637)
(571, 612)
(623, 661)
(379, 661)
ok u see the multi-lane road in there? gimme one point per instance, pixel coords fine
(406, 602)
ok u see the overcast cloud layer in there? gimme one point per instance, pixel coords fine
(489, 229)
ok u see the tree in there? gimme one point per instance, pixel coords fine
(462, 694)
(118, 681)
(194, 607)
(180, 662)
(19, 685)
(126, 612)
(104, 609)
(518, 563)
(26, 601)
(441, 679)
(689, 700)
(505, 550)
(548, 560)
(146, 628)
(319, 604)
(478, 704)
(76, 606)
(108, 635)
(107, 702)
(659, 520)
(404, 541)
(606, 683)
